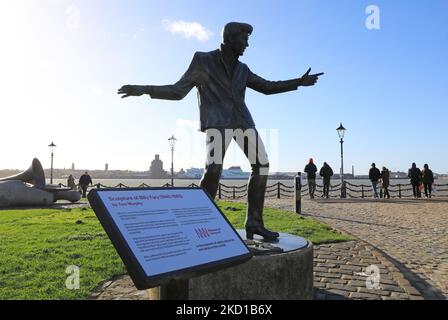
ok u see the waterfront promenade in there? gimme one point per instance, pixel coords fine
(412, 235)
(406, 239)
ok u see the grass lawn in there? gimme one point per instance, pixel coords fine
(37, 245)
(285, 221)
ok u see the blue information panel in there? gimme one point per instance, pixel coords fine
(167, 233)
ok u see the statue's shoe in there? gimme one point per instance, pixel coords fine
(261, 231)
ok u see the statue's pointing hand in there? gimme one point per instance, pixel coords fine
(309, 79)
(131, 90)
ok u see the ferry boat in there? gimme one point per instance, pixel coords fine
(234, 173)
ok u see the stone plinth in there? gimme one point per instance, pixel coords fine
(279, 276)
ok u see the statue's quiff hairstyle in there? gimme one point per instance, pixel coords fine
(232, 28)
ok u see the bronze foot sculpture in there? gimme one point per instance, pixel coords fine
(261, 231)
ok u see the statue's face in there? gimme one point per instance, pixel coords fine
(239, 43)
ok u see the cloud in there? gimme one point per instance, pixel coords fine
(188, 29)
(184, 123)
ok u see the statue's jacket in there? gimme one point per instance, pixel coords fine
(220, 93)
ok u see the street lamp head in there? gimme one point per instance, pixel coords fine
(52, 146)
(341, 131)
(172, 141)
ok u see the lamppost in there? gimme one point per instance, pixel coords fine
(51, 146)
(172, 142)
(341, 133)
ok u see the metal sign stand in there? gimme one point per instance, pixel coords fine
(174, 290)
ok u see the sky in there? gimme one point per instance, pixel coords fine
(385, 70)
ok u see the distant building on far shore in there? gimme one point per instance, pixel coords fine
(156, 169)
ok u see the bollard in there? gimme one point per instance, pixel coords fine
(219, 191)
(278, 190)
(343, 190)
(298, 192)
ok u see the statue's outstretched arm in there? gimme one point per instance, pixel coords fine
(262, 85)
(175, 91)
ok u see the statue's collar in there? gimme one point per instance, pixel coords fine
(226, 57)
(227, 54)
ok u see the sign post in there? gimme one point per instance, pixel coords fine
(167, 236)
(174, 290)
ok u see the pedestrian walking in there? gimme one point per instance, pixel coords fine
(428, 180)
(326, 172)
(311, 170)
(415, 175)
(71, 182)
(374, 176)
(84, 182)
(385, 182)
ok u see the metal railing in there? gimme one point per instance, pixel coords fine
(280, 190)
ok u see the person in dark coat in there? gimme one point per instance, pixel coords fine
(311, 170)
(326, 173)
(385, 181)
(415, 175)
(71, 182)
(428, 180)
(84, 182)
(374, 176)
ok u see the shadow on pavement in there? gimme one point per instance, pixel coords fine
(427, 290)
(324, 294)
(352, 220)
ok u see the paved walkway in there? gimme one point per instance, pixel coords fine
(340, 273)
(406, 240)
(347, 271)
(412, 235)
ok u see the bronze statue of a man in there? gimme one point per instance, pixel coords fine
(221, 80)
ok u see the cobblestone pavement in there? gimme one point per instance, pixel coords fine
(356, 270)
(407, 240)
(340, 272)
(411, 234)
